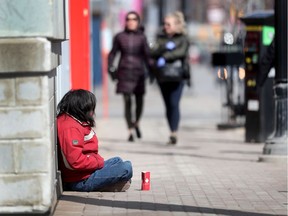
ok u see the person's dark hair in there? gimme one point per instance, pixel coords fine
(134, 13)
(79, 103)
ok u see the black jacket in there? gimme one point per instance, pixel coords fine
(134, 51)
(179, 52)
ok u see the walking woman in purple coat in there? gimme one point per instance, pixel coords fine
(130, 73)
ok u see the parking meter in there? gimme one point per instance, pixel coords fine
(259, 101)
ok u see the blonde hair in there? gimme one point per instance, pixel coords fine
(179, 21)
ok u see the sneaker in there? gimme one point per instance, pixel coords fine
(138, 132)
(131, 138)
(172, 140)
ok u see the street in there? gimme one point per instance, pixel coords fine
(209, 172)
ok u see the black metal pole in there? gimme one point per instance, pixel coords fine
(161, 12)
(277, 144)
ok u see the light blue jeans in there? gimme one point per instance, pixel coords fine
(114, 170)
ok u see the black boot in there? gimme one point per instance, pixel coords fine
(131, 138)
(172, 140)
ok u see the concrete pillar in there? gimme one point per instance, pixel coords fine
(30, 49)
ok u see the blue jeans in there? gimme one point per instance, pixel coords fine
(171, 92)
(115, 170)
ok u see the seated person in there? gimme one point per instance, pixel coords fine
(82, 167)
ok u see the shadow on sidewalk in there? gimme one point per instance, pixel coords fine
(157, 206)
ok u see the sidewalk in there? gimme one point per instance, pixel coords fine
(209, 172)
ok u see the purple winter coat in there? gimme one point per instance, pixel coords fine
(134, 51)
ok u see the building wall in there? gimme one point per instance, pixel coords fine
(30, 52)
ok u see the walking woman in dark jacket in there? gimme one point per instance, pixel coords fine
(172, 46)
(130, 74)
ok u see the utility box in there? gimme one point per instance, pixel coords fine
(259, 101)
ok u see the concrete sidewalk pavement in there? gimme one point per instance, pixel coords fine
(209, 172)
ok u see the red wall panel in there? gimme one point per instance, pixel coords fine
(80, 44)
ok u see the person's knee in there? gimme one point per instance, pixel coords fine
(174, 104)
(118, 159)
(128, 168)
(112, 161)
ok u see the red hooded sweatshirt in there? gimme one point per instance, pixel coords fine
(78, 156)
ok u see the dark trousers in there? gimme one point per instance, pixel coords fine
(128, 108)
(171, 92)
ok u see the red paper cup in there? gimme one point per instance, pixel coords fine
(145, 180)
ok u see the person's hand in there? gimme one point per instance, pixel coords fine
(112, 73)
(113, 76)
(111, 69)
(170, 45)
(161, 62)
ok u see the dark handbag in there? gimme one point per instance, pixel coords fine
(171, 72)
